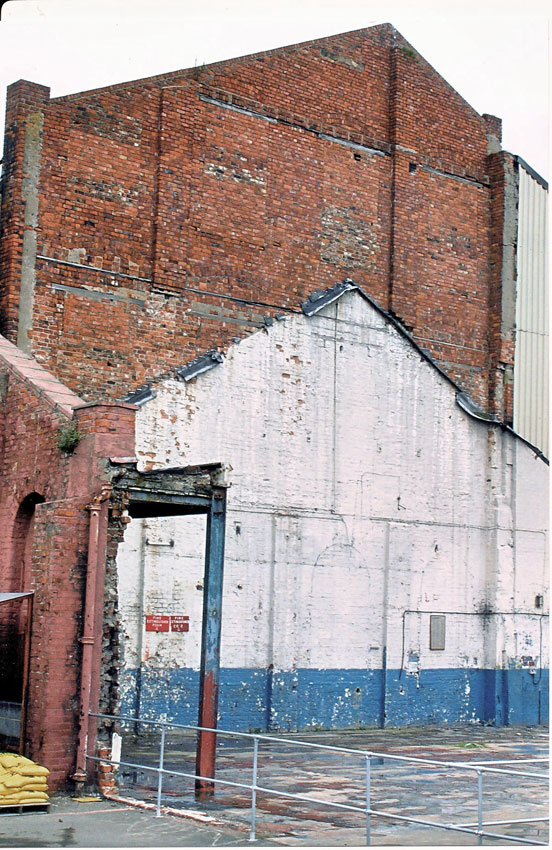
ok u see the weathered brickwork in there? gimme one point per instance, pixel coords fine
(175, 212)
(44, 493)
(504, 224)
(146, 223)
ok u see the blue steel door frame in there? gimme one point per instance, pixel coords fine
(210, 643)
(153, 500)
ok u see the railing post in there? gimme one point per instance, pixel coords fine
(160, 772)
(480, 806)
(368, 799)
(254, 788)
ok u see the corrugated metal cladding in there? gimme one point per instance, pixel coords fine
(531, 355)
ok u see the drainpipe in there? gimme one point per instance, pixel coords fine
(98, 516)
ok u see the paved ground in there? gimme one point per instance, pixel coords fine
(430, 793)
(102, 823)
(433, 794)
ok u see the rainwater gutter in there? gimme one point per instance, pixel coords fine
(98, 522)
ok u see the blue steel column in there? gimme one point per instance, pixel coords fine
(210, 643)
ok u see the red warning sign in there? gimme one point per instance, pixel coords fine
(157, 623)
(180, 624)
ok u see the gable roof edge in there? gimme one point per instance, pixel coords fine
(463, 400)
(282, 50)
(43, 384)
(315, 302)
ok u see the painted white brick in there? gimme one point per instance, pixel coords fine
(362, 499)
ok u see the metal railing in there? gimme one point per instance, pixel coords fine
(478, 768)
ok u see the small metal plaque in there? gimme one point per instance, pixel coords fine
(437, 631)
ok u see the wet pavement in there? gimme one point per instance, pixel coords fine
(426, 793)
(103, 823)
(429, 793)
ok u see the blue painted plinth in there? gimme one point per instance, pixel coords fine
(265, 700)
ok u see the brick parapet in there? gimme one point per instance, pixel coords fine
(26, 102)
(41, 382)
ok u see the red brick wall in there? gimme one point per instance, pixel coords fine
(24, 112)
(199, 219)
(31, 462)
(56, 554)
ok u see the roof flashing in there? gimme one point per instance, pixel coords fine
(140, 396)
(467, 404)
(316, 301)
(199, 365)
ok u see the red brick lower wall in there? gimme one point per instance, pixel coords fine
(48, 554)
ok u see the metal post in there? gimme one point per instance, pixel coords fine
(210, 645)
(480, 806)
(254, 788)
(160, 773)
(26, 660)
(368, 801)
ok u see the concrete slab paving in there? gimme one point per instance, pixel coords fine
(104, 823)
(433, 794)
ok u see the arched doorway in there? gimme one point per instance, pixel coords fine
(22, 544)
(15, 627)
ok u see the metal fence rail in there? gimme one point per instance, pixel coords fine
(478, 768)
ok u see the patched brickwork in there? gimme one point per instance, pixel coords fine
(175, 212)
(44, 493)
(146, 223)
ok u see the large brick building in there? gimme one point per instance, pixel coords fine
(149, 223)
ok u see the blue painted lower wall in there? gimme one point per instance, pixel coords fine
(341, 699)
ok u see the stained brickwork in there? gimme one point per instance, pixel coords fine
(44, 493)
(146, 223)
(174, 212)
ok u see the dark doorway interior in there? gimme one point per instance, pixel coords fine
(15, 627)
(15, 633)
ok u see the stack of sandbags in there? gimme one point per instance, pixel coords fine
(22, 781)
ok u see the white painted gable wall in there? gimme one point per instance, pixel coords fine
(361, 495)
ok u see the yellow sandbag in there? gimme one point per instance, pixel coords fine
(9, 761)
(21, 764)
(36, 786)
(14, 780)
(4, 790)
(24, 797)
(33, 770)
(11, 790)
(20, 783)
(33, 796)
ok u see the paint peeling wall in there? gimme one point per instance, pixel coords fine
(363, 500)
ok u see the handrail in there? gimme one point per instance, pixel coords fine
(351, 750)
(480, 768)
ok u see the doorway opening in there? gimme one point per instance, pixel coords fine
(15, 627)
(15, 643)
(176, 521)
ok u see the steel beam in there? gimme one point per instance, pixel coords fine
(210, 644)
